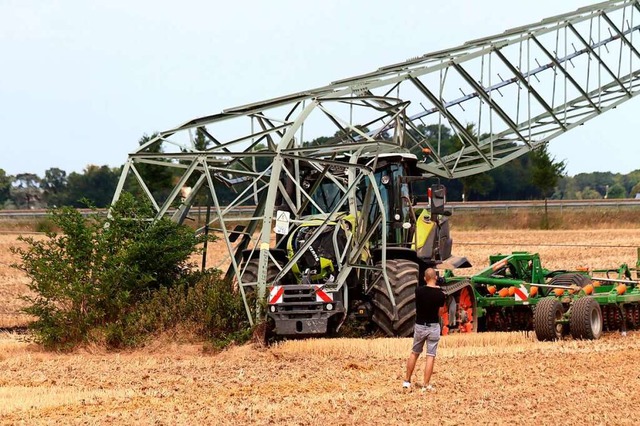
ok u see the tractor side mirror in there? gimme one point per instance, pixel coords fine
(438, 196)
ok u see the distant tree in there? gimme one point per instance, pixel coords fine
(566, 189)
(597, 181)
(630, 180)
(340, 135)
(158, 179)
(317, 141)
(588, 194)
(617, 191)
(54, 185)
(513, 181)
(201, 142)
(5, 187)
(25, 191)
(546, 172)
(97, 184)
(476, 185)
(635, 190)
(435, 131)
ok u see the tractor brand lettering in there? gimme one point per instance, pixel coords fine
(315, 255)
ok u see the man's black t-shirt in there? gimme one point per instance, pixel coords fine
(428, 303)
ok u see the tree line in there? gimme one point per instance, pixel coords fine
(535, 175)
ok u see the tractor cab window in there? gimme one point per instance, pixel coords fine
(327, 196)
(388, 183)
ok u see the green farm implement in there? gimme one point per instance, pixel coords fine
(516, 293)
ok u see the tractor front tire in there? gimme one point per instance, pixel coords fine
(586, 319)
(264, 330)
(250, 275)
(545, 319)
(403, 278)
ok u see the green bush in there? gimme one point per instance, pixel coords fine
(89, 280)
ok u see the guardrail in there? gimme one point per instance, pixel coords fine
(551, 204)
(453, 206)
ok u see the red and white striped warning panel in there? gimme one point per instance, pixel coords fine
(322, 296)
(521, 293)
(275, 294)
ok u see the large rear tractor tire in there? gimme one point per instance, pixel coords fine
(546, 315)
(403, 278)
(586, 319)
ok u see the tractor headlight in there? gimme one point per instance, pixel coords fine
(272, 308)
(329, 307)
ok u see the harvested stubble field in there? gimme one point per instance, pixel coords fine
(484, 378)
(480, 379)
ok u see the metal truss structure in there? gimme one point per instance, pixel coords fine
(502, 96)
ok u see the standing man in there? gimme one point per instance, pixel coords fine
(429, 299)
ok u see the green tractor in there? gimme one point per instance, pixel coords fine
(362, 261)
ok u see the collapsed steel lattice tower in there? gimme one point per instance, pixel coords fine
(502, 96)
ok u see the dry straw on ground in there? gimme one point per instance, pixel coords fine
(481, 379)
(490, 378)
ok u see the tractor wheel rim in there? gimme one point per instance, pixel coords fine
(558, 329)
(558, 325)
(596, 322)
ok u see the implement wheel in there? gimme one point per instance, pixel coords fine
(570, 279)
(545, 319)
(403, 278)
(586, 319)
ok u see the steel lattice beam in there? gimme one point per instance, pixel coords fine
(502, 96)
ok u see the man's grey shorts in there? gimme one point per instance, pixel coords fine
(426, 333)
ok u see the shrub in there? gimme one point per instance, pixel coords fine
(88, 280)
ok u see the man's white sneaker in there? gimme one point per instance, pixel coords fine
(406, 385)
(428, 388)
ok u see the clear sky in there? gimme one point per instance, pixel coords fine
(81, 81)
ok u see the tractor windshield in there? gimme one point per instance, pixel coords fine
(395, 201)
(326, 197)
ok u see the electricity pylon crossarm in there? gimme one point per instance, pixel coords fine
(502, 96)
